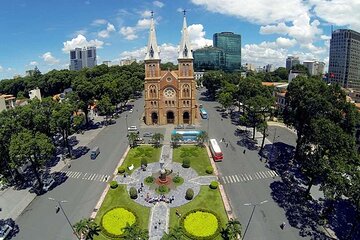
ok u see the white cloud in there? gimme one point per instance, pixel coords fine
(98, 22)
(197, 36)
(1, 69)
(80, 32)
(80, 42)
(169, 53)
(49, 59)
(285, 42)
(158, 4)
(137, 53)
(338, 12)
(130, 33)
(33, 63)
(146, 14)
(259, 11)
(106, 32)
(302, 29)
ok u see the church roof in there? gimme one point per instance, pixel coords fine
(185, 46)
(152, 51)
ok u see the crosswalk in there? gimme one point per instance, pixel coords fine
(248, 177)
(87, 176)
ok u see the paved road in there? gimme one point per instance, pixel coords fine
(83, 187)
(266, 219)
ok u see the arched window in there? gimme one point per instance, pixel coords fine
(152, 91)
(152, 70)
(186, 91)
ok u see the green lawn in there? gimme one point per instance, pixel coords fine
(120, 198)
(197, 155)
(207, 199)
(150, 153)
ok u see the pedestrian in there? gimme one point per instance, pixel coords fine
(244, 151)
(106, 178)
(227, 144)
(282, 225)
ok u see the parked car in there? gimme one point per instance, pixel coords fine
(179, 126)
(4, 231)
(140, 141)
(148, 134)
(190, 126)
(48, 183)
(133, 129)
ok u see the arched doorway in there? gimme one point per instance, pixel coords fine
(186, 117)
(170, 117)
(154, 118)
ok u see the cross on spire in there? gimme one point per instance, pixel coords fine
(184, 11)
(152, 14)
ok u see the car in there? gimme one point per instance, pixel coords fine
(4, 231)
(190, 126)
(133, 129)
(48, 183)
(148, 134)
(131, 110)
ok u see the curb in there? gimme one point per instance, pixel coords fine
(224, 197)
(103, 195)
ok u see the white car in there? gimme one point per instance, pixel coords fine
(133, 129)
(131, 110)
(4, 231)
(48, 182)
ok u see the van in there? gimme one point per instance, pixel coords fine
(94, 152)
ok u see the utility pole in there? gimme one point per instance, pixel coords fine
(252, 213)
(67, 219)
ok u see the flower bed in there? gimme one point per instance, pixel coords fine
(115, 220)
(201, 224)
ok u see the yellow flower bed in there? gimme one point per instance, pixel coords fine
(201, 224)
(116, 219)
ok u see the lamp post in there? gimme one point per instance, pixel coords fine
(67, 219)
(273, 143)
(126, 123)
(252, 213)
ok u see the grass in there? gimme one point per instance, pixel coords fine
(135, 155)
(199, 159)
(208, 199)
(119, 197)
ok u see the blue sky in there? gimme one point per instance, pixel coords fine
(40, 32)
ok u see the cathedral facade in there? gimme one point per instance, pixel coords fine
(170, 95)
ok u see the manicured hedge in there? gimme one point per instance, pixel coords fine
(186, 163)
(113, 184)
(133, 193)
(209, 170)
(121, 170)
(114, 220)
(201, 224)
(214, 185)
(149, 179)
(189, 194)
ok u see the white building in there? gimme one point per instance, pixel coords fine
(293, 74)
(7, 101)
(82, 58)
(314, 67)
(269, 68)
(249, 67)
(35, 93)
(107, 63)
(127, 61)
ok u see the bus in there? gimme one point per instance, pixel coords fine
(203, 113)
(215, 150)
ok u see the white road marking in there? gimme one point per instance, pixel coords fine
(224, 180)
(84, 176)
(237, 179)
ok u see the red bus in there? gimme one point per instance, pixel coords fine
(215, 150)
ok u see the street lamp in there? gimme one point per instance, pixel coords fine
(127, 127)
(252, 213)
(67, 219)
(273, 143)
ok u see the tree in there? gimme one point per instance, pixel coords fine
(176, 138)
(202, 137)
(212, 82)
(87, 228)
(132, 139)
(168, 66)
(105, 106)
(282, 73)
(225, 99)
(84, 94)
(156, 138)
(175, 233)
(232, 230)
(134, 232)
(36, 148)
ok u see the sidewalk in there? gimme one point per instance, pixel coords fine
(13, 202)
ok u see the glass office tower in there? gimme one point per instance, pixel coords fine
(208, 58)
(230, 43)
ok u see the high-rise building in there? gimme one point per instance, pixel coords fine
(208, 58)
(230, 43)
(269, 68)
(314, 67)
(291, 61)
(82, 58)
(107, 63)
(344, 61)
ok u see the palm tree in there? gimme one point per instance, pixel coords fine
(202, 137)
(175, 138)
(134, 232)
(156, 138)
(232, 230)
(86, 228)
(175, 233)
(132, 139)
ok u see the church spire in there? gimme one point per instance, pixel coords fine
(152, 51)
(185, 47)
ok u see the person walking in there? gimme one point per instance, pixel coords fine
(244, 151)
(282, 225)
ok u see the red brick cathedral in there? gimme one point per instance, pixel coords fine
(170, 95)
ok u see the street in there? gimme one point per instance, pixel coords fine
(82, 189)
(247, 181)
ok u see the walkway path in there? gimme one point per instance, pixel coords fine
(159, 221)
